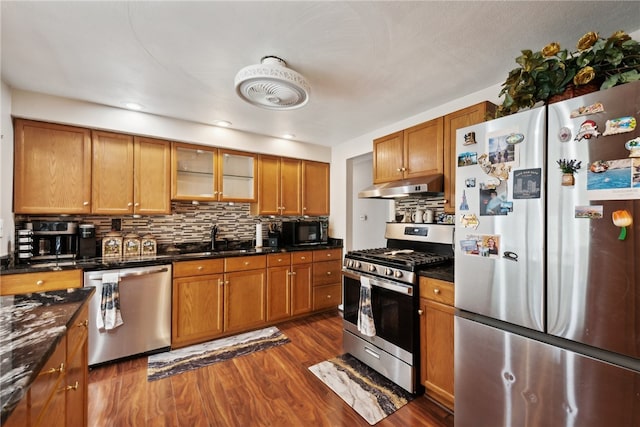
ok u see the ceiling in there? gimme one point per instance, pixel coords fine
(369, 63)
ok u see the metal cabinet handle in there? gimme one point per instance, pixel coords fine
(71, 387)
(436, 291)
(303, 257)
(59, 369)
(328, 296)
(84, 323)
(40, 282)
(328, 273)
(134, 273)
(130, 204)
(136, 204)
(420, 312)
(200, 268)
(247, 263)
(85, 203)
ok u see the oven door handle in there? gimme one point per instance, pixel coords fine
(395, 287)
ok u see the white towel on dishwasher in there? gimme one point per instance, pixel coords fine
(366, 324)
(109, 316)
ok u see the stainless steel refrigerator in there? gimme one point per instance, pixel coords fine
(547, 284)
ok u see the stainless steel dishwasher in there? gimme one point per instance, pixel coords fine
(145, 306)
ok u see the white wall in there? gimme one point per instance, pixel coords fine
(341, 156)
(364, 215)
(6, 171)
(37, 106)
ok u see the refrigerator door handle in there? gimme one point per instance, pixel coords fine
(510, 255)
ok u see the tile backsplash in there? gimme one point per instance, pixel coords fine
(186, 223)
(412, 203)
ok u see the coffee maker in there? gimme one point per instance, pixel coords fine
(87, 241)
(45, 241)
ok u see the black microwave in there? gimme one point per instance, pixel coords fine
(302, 233)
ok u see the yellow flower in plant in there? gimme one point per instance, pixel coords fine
(587, 40)
(584, 76)
(551, 49)
(619, 37)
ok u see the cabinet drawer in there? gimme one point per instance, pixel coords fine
(327, 296)
(327, 254)
(48, 379)
(77, 333)
(326, 272)
(303, 257)
(437, 290)
(276, 260)
(198, 267)
(245, 263)
(40, 282)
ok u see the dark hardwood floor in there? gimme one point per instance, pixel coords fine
(266, 388)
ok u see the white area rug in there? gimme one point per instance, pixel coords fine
(174, 362)
(370, 394)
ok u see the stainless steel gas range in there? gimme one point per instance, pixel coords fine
(381, 298)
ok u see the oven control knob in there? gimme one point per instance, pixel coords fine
(372, 268)
(398, 274)
(357, 264)
(388, 272)
(350, 263)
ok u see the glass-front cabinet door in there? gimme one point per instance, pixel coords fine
(193, 173)
(238, 171)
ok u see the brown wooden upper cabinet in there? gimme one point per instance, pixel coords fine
(131, 175)
(209, 174)
(452, 122)
(237, 173)
(292, 187)
(279, 186)
(413, 152)
(193, 172)
(315, 188)
(52, 169)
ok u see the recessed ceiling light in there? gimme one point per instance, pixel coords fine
(222, 123)
(133, 106)
(288, 136)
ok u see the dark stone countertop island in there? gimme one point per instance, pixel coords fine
(31, 326)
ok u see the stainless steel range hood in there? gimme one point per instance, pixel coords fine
(430, 185)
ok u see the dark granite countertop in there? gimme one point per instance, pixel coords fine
(31, 326)
(442, 272)
(94, 264)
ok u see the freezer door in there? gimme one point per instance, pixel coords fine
(505, 379)
(593, 276)
(507, 283)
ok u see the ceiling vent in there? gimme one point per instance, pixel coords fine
(272, 85)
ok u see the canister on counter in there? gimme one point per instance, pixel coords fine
(148, 245)
(112, 245)
(131, 245)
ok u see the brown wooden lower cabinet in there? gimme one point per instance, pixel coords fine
(45, 281)
(218, 297)
(58, 396)
(437, 340)
(244, 300)
(198, 293)
(301, 277)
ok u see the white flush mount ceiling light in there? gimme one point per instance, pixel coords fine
(133, 106)
(272, 85)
